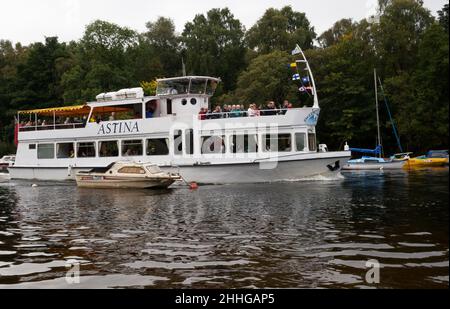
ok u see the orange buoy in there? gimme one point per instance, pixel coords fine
(193, 186)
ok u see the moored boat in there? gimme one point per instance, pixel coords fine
(126, 175)
(433, 158)
(373, 163)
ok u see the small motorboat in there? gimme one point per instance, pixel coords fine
(432, 159)
(6, 161)
(405, 156)
(126, 175)
(373, 163)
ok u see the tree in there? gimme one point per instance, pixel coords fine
(443, 17)
(281, 30)
(337, 32)
(214, 45)
(38, 82)
(102, 62)
(164, 45)
(267, 78)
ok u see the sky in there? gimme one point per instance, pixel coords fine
(29, 21)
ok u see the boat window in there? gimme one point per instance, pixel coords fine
(31, 146)
(117, 112)
(300, 141)
(132, 148)
(211, 87)
(277, 142)
(169, 106)
(173, 87)
(312, 142)
(189, 136)
(245, 143)
(151, 109)
(153, 169)
(108, 149)
(193, 101)
(65, 150)
(177, 142)
(46, 151)
(86, 150)
(131, 170)
(213, 144)
(157, 147)
(198, 86)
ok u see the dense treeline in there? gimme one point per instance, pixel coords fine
(404, 42)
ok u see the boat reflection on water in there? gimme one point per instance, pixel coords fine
(281, 235)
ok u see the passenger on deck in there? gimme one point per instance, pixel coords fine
(234, 112)
(202, 113)
(67, 121)
(226, 110)
(270, 109)
(285, 107)
(43, 123)
(112, 117)
(217, 113)
(253, 110)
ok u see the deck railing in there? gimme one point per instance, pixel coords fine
(51, 127)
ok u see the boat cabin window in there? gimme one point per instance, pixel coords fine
(198, 86)
(131, 170)
(65, 150)
(108, 149)
(300, 141)
(116, 112)
(312, 142)
(213, 144)
(46, 151)
(31, 146)
(173, 87)
(86, 150)
(150, 109)
(277, 143)
(245, 143)
(132, 148)
(211, 87)
(157, 147)
(169, 106)
(153, 169)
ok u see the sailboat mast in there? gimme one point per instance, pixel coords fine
(376, 104)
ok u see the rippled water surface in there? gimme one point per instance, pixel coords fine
(299, 234)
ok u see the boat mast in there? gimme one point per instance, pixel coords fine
(376, 104)
(297, 50)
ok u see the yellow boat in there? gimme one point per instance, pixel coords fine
(433, 158)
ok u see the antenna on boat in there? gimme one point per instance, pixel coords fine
(183, 66)
(376, 104)
(296, 51)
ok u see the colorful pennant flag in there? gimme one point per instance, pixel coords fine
(296, 77)
(293, 65)
(305, 80)
(297, 50)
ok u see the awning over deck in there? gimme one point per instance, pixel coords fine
(60, 111)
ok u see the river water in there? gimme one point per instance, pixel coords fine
(306, 234)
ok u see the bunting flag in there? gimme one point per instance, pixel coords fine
(305, 80)
(293, 65)
(304, 89)
(296, 77)
(297, 50)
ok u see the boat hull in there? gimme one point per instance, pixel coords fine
(426, 162)
(121, 183)
(255, 172)
(395, 165)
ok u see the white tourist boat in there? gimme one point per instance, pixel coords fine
(166, 129)
(126, 175)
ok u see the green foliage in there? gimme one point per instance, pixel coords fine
(214, 45)
(266, 78)
(281, 30)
